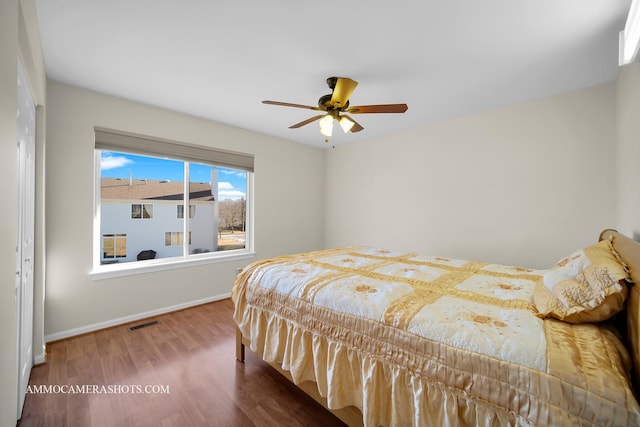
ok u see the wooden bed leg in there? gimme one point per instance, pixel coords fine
(239, 346)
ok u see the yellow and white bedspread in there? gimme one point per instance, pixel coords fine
(417, 340)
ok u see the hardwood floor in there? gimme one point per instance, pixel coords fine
(192, 352)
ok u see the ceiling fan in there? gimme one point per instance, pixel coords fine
(336, 105)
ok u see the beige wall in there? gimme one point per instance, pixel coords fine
(289, 184)
(628, 115)
(523, 185)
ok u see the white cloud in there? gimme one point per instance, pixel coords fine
(112, 162)
(233, 172)
(231, 194)
(226, 191)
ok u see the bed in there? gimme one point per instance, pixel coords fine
(390, 338)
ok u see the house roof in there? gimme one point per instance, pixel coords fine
(150, 189)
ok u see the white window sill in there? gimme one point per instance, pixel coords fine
(138, 267)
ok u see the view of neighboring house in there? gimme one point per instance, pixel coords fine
(138, 215)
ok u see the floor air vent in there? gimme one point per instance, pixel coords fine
(143, 325)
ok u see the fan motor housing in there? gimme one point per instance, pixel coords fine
(325, 103)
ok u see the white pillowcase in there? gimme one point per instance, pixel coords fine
(567, 268)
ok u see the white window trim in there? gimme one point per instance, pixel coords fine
(108, 271)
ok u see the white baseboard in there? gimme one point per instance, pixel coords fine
(132, 318)
(40, 358)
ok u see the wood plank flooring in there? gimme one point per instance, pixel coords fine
(192, 352)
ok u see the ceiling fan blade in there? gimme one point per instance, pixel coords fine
(288, 104)
(356, 126)
(382, 108)
(306, 122)
(342, 92)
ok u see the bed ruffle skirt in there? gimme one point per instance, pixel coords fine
(387, 394)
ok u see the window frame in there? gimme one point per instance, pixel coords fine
(105, 271)
(144, 208)
(179, 235)
(192, 211)
(115, 237)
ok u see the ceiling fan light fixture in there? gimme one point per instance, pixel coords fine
(346, 124)
(336, 104)
(326, 125)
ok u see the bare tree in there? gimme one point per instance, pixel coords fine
(232, 214)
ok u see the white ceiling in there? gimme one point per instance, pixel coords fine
(219, 59)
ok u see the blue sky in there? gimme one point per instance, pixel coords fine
(232, 184)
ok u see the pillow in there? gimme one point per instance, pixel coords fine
(586, 286)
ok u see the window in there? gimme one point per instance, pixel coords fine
(114, 246)
(192, 211)
(141, 211)
(175, 238)
(144, 192)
